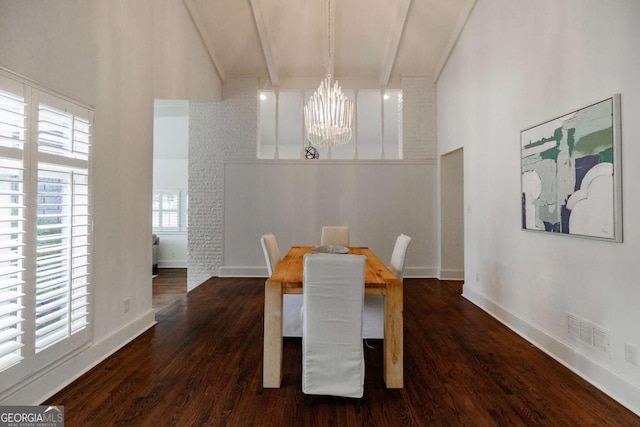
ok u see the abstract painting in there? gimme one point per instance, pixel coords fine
(571, 178)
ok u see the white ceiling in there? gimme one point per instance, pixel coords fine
(285, 42)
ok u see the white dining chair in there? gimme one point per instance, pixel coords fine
(332, 347)
(398, 255)
(271, 251)
(374, 304)
(291, 304)
(335, 236)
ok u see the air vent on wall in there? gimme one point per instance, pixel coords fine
(593, 336)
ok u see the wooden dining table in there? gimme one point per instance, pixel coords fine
(287, 279)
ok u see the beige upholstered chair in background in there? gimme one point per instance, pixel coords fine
(335, 236)
(291, 304)
(374, 304)
(332, 347)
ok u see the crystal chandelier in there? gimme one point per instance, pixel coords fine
(328, 114)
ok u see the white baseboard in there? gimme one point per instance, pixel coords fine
(36, 389)
(243, 272)
(172, 263)
(607, 381)
(420, 272)
(409, 272)
(451, 275)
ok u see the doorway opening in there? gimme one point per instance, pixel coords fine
(170, 200)
(452, 215)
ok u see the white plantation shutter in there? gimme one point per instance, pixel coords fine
(167, 210)
(11, 262)
(12, 222)
(81, 138)
(12, 120)
(62, 254)
(80, 255)
(45, 227)
(62, 133)
(63, 222)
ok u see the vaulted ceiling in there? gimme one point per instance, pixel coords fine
(286, 42)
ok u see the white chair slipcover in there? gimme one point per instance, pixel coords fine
(291, 304)
(332, 348)
(335, 236)
(271, 251)
(399, 253)
(374, 304)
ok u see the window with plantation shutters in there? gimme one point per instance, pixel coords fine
(167, 210)
(62, 254)
(12, 222)
(63, 222)
(62, 134)
(45, 227)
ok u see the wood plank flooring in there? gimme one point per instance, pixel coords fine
(168, 286)
(202, 365)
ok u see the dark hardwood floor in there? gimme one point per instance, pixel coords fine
(168, 286)
(202, 365)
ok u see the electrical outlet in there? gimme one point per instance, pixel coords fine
(631, 353)
(127, 304)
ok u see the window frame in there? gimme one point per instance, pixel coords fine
(181, 210)
(270, 126)
(69, 156)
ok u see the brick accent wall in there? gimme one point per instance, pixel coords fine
(419, 134)
(218, 132)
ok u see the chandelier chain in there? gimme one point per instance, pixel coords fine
(329, 37)
(328, 114)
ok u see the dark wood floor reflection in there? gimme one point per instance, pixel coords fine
(202, 365)
(168, 286)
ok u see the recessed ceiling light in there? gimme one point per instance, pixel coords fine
(263, 97)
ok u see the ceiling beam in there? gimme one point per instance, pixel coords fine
(394, 42)
(204, 36)
(266, 41)
(453, 40)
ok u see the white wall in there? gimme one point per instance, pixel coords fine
(516, 65)
(171, 172)
(293, 200)
(103, 53)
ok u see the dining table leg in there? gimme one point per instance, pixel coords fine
(272, 357)
(393, 335)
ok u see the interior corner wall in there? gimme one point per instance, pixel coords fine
(182, 67)
(515, 65)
